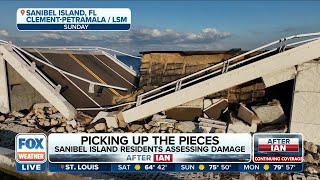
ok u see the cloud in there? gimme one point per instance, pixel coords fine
(55, 36)
(168, 36)
(4, 33)
(133, 41)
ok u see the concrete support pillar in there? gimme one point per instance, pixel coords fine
(4, 95)
(306, 102)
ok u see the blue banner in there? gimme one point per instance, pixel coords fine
(73, 19)
(31, 167)
(72, 27)
(175, 167)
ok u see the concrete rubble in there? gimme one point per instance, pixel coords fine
(215, 110)
(238, 126)
(210, 125)
(233, 118)
(186, 112)
(213, 115)
(270, 113)
(246, 114)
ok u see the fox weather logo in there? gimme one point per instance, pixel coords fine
(31, 152)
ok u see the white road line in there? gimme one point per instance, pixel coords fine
(69, 80)
(113, 70)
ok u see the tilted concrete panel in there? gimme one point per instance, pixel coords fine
(308, 77)
(279, 76)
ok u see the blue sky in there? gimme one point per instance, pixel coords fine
(177, 25)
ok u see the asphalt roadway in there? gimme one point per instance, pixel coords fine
(93, 66)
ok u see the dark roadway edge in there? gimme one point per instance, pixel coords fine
(8, 167)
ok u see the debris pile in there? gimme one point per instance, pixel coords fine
(46, 117)
(228, 118)
(200, 116)
(311, 158)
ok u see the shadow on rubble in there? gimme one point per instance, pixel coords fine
(283, 92)
(7, 139)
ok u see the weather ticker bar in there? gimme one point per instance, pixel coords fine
(175, 167)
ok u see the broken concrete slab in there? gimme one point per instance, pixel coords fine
(135, 127)
(56, 116)
(276, 128)
(238, 126)
(42, 106)
(165, 126)
(271, 113)
(206, 103)
(209, 102)
(100, 127)
(109, 117)
(69, 128)
(279, 76)
(53, 122)
(100, 115)
(215, 110)
(216, 126)
(73, 123)
(112, 120)
(186, 126)
(165, 121)
(83, 118)
(17, 114)
(211, 121)
(184, 113)
(311, 147)
(246, 114)
(195, 103)
(2, 118)
(158, 116)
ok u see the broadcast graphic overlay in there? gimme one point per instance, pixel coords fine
(31, 152)
(149, 148)
(73, 19)
(156, 153)
(278, 148)
(145, 152)
(149, 153)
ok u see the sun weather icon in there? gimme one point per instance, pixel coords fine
(137, 167)
(266, 167)
(201, 167)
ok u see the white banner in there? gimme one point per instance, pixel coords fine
(109, 147)
(73, 15)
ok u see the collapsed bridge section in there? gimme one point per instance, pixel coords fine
(83, 79)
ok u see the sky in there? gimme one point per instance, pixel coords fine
(175, 25)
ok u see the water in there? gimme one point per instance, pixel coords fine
(131, 62)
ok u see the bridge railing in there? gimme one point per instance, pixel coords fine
(222, 67)
(94, 48)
